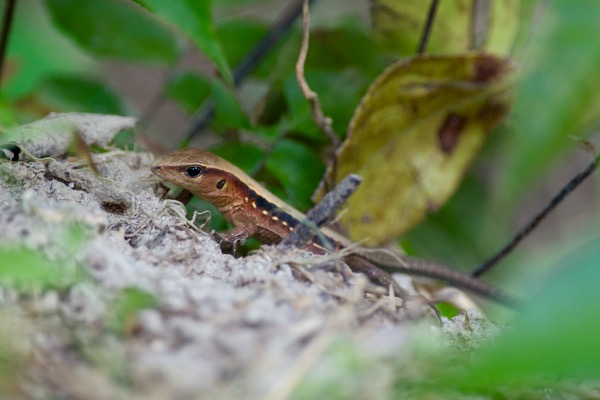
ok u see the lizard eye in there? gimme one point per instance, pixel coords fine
(221, 184)
(193, 171)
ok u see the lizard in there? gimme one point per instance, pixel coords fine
(253, 211)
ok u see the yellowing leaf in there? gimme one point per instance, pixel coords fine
(415, 133)
(399, 24)
(502, 26)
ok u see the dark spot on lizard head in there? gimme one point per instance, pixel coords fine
(221, 184)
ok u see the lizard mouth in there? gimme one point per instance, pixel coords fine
(156, 167)
(157, 170)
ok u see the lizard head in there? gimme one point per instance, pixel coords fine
(206, 175)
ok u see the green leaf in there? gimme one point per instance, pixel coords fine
(194, 18)
(189, 89)
(448, 237)
(398, 26)
(29, 59)
(298, 168)
(129, 303)
(125, 140)
(239, 36)
(298, 109)
(26, 269)
(418, 128)
(244, 155)
(72, 93)
(339, 93)
(558, 97)
(341, 65)
(555, 335)
(114, 28)
(228, 111)
(342, 47)
(502, 26)
(272, 108)
(7, 115)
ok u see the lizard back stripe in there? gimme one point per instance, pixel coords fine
(272, 209)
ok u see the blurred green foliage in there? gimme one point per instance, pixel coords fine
(84, 94)
(556, 334)
(146, 40)
(194, 18)
(188, 89)
(549, 351)
(556, 96)
(26, 270)
(556, 104)
(55, 60)
(394, 24)
(123, 317)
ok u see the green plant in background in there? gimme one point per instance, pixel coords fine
(28, 271)
(26, 277)
(276, 139)
(128, 304)
(279, 142)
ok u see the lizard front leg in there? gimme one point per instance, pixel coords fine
(244, 228)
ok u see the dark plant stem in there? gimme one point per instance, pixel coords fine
(532, 223)
(9, 11)
(428, 26)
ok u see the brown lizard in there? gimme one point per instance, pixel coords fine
(255, 212)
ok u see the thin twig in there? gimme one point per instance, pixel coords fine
(428, 26)
(323, 212)
(532, 223)
(283, 24)
(9, 11)
(323, 122)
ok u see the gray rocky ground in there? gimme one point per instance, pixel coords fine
(149, 307)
